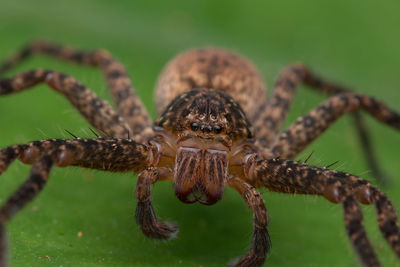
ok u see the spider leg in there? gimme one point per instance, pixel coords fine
(305, 129)
(273, 113)
(97, 112)
(119, 155)
(368, 149)
(27, 191)
(298, 178)
(145, 215)
(129, 105)
(9, 154)
(261, 242)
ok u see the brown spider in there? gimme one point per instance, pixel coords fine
(203, 140)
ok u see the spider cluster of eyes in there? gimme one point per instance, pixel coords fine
(206, 128)
(195, 126)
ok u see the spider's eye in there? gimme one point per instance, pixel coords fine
(213, 117)
(194, 126)
(217, 129)
(205, 128)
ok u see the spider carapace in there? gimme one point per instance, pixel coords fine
(216, 129)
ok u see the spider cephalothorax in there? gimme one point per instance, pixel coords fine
(207, 126)
(206, 114)
(203, 140)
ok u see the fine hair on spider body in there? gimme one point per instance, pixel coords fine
(215, 128)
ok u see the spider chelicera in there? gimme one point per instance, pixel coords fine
(215, 129)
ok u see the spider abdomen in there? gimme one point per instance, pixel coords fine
(212, 68)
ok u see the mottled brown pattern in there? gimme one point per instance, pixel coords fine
(306, 129)
(355, 229)
(338, 187)
(213, 69)
(387, 220)
(203, 141)
(96, 111)
(129, 105)
(273, 113)
(104, 154)
(207, 109)
(9, 154)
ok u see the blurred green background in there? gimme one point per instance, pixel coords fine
(354, 42)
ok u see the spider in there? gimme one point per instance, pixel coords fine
(215, 129)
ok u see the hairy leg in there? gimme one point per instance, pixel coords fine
(298, 178)
(273, 114)
(129, 105)
(261, 242)
(27, 191)
(306, 129)
(97, 112)
(145, 215)
(368, 149)
(117, 155)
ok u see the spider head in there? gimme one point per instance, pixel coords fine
(206, 114)
(205, 124)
